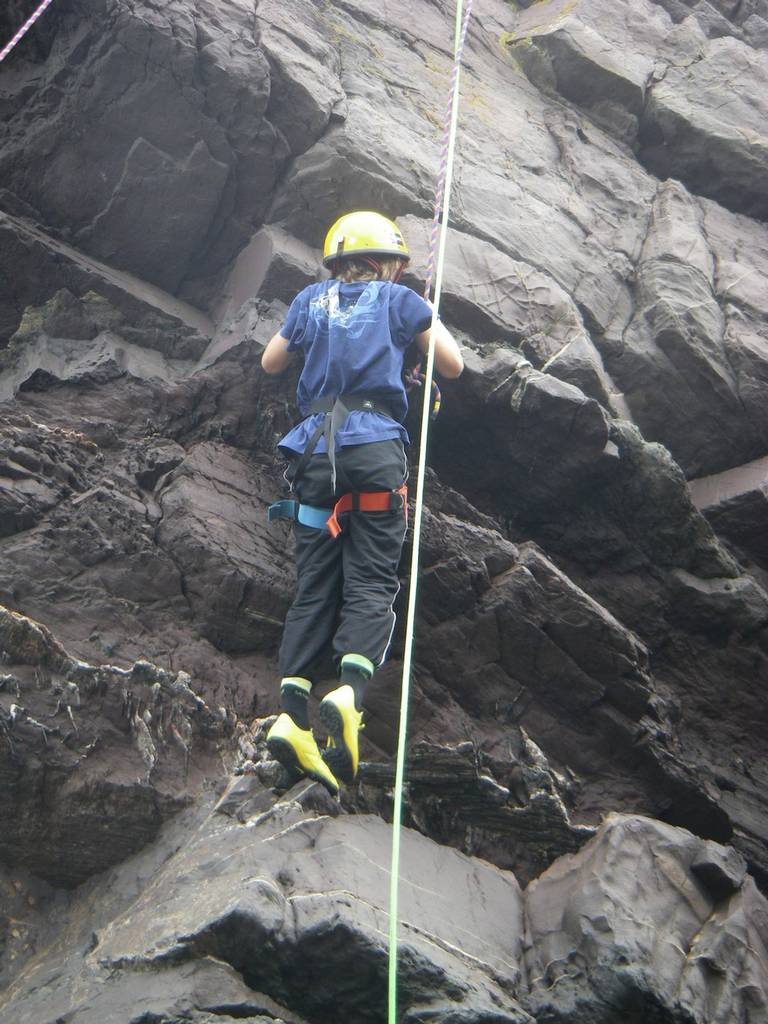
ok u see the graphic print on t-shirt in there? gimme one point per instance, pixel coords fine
(354, 317)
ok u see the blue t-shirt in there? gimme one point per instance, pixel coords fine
(354, 338)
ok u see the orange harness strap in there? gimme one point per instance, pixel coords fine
(368, 501)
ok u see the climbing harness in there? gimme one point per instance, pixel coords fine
(336, 409)
(442, 203)
(369, 501)
(362, 501)
(307, 515)
(24, 29)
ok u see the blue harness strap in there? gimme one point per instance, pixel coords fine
(307, 515)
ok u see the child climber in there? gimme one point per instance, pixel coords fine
(346, 459)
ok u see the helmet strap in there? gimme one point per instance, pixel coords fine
(398, 273)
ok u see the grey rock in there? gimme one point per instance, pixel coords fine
(152, 460)
(533, 640)
(463, 796)
(66, 317)
(495, 298)
(711, 21)
(209, 572)
(580, 364)
(712, 146)
(575, 51)
(251, 326)
(37, 472)
(736, 503)
(719, 605)
(218, 1018)
(741, 265)
(741, 260)
(721, 17)
(629, 924)
(652, 501)
(672, 362)
(272, 266)
(494, 165)
(45, 361)
(214, 527)
(503, 398)
(585, 642)
(756, 31)
(65, 817)
(149, 181)
(722, 870)
(124, 191)
(685, 956)
(168, 997)
(24, 906)
(35, 267)
(318, 896)
(305, 71)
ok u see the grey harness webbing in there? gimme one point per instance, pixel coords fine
(336, 409)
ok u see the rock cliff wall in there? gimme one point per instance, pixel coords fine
(593, 631)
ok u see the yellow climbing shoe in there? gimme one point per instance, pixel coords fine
(297, 749)
(343, 722)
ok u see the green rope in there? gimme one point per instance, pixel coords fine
(461, 26)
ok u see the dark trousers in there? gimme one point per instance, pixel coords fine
(345, 586)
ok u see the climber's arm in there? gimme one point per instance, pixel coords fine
(276, 356)
(448, 360)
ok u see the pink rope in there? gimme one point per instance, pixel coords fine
(24, 29)
(440, 193)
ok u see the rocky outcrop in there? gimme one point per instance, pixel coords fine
(716, 148)
(735, 503)
(211, 79)
(594, 234)
(746, 21)
(674, 361)
(261, 918)
(37, 266)
(666, 96)
(163, 533)
(696, 951)
(269, 940)
(158, 523)
(94, 758)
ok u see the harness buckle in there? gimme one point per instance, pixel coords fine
(286, 509)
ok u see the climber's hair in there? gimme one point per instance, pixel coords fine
(349, 270)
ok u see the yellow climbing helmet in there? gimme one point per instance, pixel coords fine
(363, 233)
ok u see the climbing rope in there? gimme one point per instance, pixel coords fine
(445, 172)
(416, 378)
(24, 29)
(442, 205)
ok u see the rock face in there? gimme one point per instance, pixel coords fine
(95, 759)
(696, 950)
(734, 501)
(592, 636)
(282, 915)
(211, 80)
(290, 899)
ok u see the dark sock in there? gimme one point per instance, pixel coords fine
(357, 677)
(295, 701)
